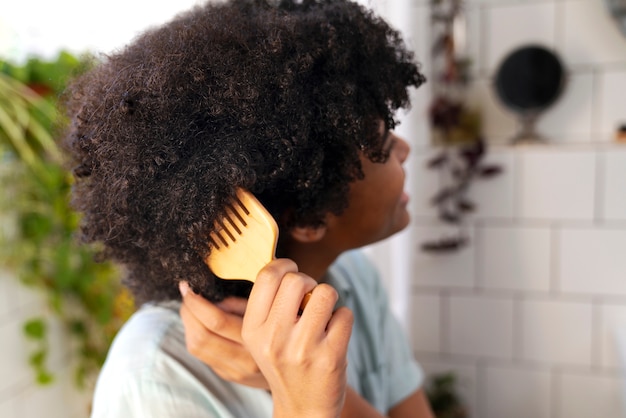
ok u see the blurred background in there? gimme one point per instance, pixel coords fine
(510, 281)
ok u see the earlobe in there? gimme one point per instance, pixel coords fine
(308, 233)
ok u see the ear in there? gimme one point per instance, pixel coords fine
(308, 234)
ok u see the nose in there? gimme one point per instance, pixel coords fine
(402, 148)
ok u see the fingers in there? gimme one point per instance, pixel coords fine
(199, 340)
(233, 305)
(297, 354)
(208, 316)
(339, 329)
(288, 300)
(320, 321)
(274, 290)
(302, 358)
(227, 357)
(319, 309)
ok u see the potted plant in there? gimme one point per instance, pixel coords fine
(456, 128)
(37, 232)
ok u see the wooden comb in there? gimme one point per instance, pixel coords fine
(244, 240)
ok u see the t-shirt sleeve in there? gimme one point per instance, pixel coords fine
(404, 374)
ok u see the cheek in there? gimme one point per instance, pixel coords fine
(384, 209)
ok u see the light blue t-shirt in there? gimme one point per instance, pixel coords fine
(381, 366)
(149, 372)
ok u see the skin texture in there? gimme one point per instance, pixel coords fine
(312, 348)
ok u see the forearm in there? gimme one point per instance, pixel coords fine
(414, 406)
(286, 413)
(357, 407)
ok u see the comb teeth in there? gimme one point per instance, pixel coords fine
(232, 225)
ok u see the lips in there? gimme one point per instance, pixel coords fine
(404, 199)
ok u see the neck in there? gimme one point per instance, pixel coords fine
(313, 259)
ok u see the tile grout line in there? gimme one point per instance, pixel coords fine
(555, 258)
(596, 335)
(555, 399)
(599, 188)
(518, 329)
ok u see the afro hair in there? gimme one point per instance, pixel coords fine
(278, 97)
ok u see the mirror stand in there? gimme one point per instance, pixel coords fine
(527, 133)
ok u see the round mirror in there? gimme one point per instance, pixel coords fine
(528, 81)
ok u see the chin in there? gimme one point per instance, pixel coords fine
(404, 220)
(400, 225)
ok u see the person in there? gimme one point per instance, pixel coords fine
(296, 102)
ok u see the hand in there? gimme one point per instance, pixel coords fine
(213, 335)
(302, 357)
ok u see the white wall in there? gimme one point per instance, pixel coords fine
(391, 256)
(41, 27)
(527, 314)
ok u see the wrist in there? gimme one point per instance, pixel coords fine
(290, 413)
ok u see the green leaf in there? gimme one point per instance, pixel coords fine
(64, 275)
(44, 378)
(78, 327)
(38, 358)
(35, 226)
(35, 329)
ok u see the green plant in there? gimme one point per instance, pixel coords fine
(456, 128)
(37, 226)
(443, 397)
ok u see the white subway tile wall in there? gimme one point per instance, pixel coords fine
(414, 131)
(613, 101)
(425, 183)
(591, 261)
(556, 332)
(612, 319)
(516, 24)
(586, 395)
(556, 184)
(613, 201)
(517, 392)
(589, 35)
(496, 198)
(515, 258)
(499, 124)
(480, 327)
(426, 332)
(529, 314)
(473, 24)
(437, 270)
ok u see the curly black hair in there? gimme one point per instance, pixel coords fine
(278, 97)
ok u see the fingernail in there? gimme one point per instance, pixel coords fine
(183, 287)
